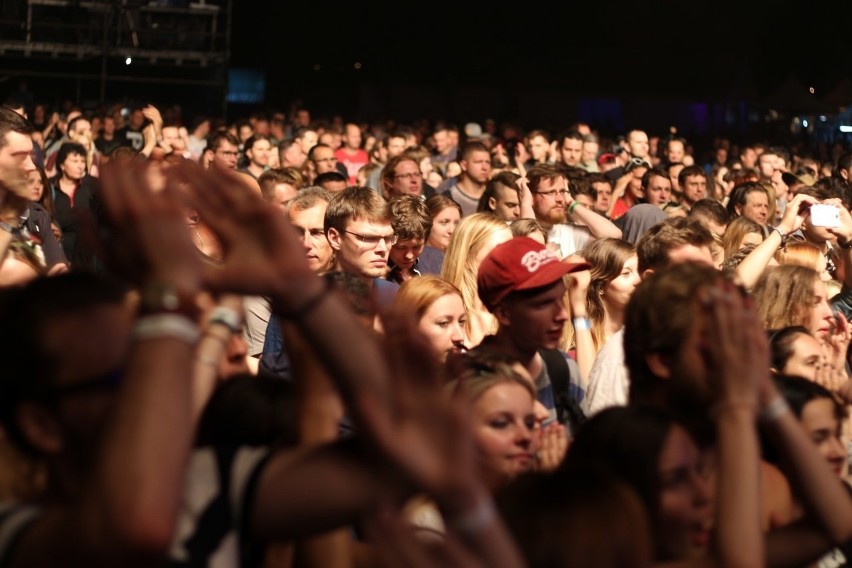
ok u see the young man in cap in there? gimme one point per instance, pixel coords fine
(520, 282)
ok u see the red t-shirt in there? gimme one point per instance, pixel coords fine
(621, 207)
(353, 162)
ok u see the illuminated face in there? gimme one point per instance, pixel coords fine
(503, 423)
(603, 191)
(676, 151)
(443, 226)
(766, 164)
(171, 136)
(756, 207)
(308, 140)
(572, 151)
(293, 157)
(549, 200)
(820, 321)
(82, 129)
(396, 146)
(363, 247)
(638, 144)
(538, 148)
(309, 224)
(618, 291)
(16, 156)
(634, 186)
(226, 155)
(806, 357)
(590, 152)
(259, 153)
(748, 158)
(324, 160)
(820, 423)
(404, 253)
(477, 167)
(353, 136)
(442, 141)
(694, 188)
(36, 185)
(443, 324)
(505, 203)
(659, 190)
(407, 179)
(74, 167)
(536, 322)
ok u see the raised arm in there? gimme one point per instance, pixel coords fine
(599, 226)
(128, 511)
(752, 266)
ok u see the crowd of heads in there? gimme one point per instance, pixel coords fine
(596, 324)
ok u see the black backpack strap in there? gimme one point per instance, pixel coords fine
(567, 407)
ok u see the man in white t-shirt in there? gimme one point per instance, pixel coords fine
(569, 224)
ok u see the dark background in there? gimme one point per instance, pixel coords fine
(705, 66)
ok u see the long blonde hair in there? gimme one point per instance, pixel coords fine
(736, 232)
(784, 296)
(460, 266)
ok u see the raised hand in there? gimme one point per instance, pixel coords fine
(553, 446)
(795, 213)
(149, 241)
(734, 346)
(262, 254)
(844, 231)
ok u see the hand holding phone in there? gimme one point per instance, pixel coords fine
(823, 215)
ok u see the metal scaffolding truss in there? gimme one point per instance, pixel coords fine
(96, 34)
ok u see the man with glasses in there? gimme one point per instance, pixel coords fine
(224, 149)
(553, 206)
(402, 176)
(321, 160)
(358, 227)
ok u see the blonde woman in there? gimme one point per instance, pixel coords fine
(789, 295)
(471, 242)
(741, 231)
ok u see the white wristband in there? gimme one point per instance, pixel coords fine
(166, 325)
(582, 324)
(227, 317)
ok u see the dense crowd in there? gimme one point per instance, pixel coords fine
(316, 343)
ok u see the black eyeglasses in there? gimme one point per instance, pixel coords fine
(373, 240)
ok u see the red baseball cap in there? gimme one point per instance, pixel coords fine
(520, 264)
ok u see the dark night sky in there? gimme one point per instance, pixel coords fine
(456, 55)
(691, 48)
